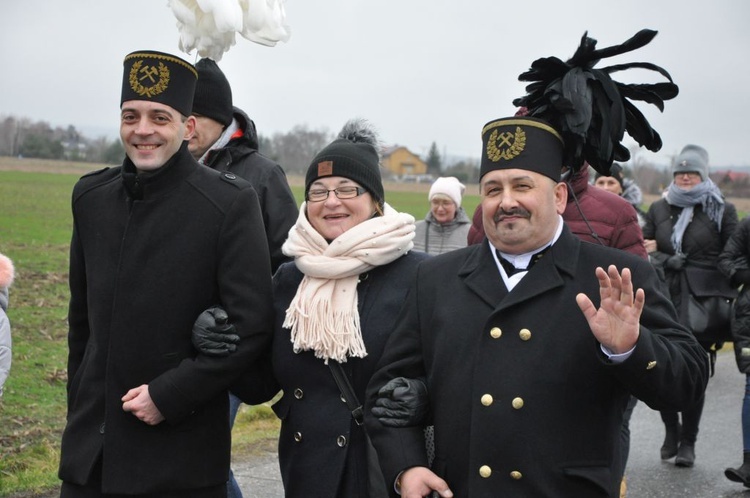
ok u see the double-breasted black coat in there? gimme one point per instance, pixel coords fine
(148, 254)
(524, 402)
(322, 451)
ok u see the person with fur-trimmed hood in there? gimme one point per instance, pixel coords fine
(7, 274)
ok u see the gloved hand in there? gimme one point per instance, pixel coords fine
(676, 262)
(212, 335)
(402, 403)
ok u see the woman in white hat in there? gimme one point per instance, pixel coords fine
(446, 225)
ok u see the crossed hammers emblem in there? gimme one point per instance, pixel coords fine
(504, 139)
(148, 72)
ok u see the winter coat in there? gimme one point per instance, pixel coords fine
(6, 279)
(701, 243)
(277, 203)
(435, 238)
(601, 217)
(321, 449)
(149, 253)
(632, 193)
(593, 214)
(736, 256)
(524, 402)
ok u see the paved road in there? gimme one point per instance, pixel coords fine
(719, 445)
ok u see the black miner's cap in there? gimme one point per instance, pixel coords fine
(159, 77)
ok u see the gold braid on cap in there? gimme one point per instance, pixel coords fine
(589, 109)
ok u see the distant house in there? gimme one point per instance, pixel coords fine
(723, 176)
(400, 162)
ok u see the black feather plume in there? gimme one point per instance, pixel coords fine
(591, 111)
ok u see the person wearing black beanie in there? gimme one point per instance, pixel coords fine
(352, 155)
(225, 139)
(213, 95)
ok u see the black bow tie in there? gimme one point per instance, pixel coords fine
(511, 270)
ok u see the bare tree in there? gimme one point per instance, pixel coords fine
(295, 149)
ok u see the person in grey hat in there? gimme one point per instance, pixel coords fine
(687, 229)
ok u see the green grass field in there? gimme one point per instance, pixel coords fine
(35, 228)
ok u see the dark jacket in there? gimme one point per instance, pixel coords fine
(519, 388)
(241, 157)
(148, 254)
(702, 241)
(598, 216)
(734, 258)
(593, 214)
(320, 446)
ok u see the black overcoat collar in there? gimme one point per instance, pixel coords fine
(481, 275)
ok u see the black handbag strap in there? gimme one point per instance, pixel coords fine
(350, 397)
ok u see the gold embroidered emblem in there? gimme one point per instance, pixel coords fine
(148, 80)
(505, 145)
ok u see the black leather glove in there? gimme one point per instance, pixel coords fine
(212, 335)
(402, 403)
(676, 262)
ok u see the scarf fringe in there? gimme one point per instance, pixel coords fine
(330, 334)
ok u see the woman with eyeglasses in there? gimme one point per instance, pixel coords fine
(335, 305)
(687, 229)
(446, 225)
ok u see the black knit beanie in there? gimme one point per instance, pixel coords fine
(357, 161)
(213, 95)
(615, 171)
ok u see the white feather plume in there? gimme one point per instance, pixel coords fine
(210, 26)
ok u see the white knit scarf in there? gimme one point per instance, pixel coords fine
(323, 315)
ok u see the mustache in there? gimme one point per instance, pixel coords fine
(503, 213)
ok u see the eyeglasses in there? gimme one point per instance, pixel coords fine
(437, 203)
(321, 194)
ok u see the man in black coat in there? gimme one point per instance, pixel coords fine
(225, 139)
(530, 344)
(155, 242)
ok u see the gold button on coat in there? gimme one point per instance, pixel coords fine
(517, 403)
(485, 471)
(524, 334)
(487, 399)
(495, 333)
(299, 393)
(298, 436)
(651, 364)
(341, 441)
(516, 475)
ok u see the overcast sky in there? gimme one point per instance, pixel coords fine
(420, 71)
